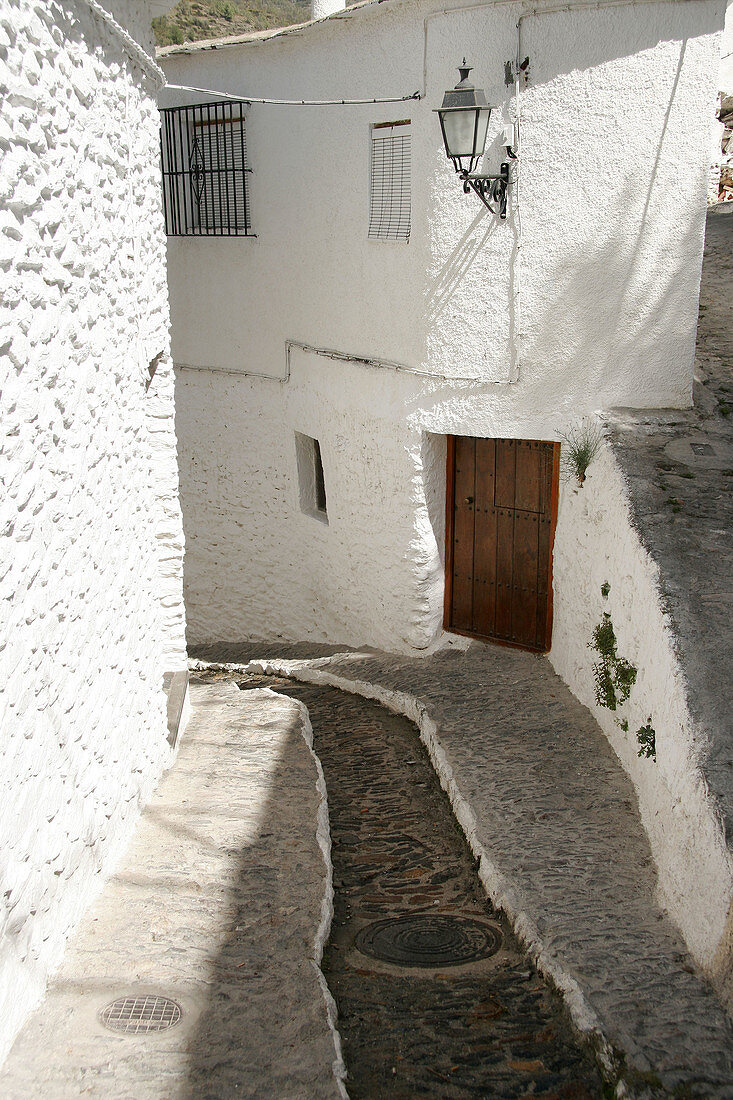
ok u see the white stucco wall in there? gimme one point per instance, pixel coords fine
(725, 78)
(360, 577)
(90, 526)
(618, 100)
(596, 544)
(590, 298)
(599, 308)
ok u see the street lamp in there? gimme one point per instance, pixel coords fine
(464, 120)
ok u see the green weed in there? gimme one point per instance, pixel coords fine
(613, 676)
(647, 738)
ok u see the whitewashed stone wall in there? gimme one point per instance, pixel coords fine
(361, 577)
(591, 296)
(90, 530)
(589, 300)
(596, 544)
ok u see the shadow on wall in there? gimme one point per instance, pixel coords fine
(433, 454)
(620, 316)
(615, 36)
(238, 1035)
(621, 287)
(606, 285)
(451, 275)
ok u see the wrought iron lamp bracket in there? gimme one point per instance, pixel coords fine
(490, 189)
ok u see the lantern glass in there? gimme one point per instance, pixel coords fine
(464, 120)
(464, 132)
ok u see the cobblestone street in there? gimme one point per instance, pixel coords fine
(223, 903)
(488, 1028)
(547, 806)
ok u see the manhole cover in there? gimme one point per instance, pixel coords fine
(135, 1015)
(429, 941)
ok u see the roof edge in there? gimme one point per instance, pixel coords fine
(162, 52)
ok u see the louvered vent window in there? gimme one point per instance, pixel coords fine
(389, 202)
(204, 157)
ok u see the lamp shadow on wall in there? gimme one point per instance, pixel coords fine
(453, 271)
(616, 307)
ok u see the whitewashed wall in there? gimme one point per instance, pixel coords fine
(372, 574)
(618, 100)
(596, 544)
(90, 526)
(598, 307)
(591, 299)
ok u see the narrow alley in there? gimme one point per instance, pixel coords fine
(435, 996)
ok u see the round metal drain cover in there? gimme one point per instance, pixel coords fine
(135, 1015)
(429, 940)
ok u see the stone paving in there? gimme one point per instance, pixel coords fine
(679, 468)
(545, 803)
(489, 1027)
(219, 905)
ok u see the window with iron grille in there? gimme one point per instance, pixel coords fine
(389, 197)
(204, 158)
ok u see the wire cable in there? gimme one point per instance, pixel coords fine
(292, 102)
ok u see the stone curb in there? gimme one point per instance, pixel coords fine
(323, 836)
(171, 925)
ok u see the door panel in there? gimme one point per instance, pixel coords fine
(524, 590)
(530, 467)
(505, 473)
(501, 510)
(504, 556)
(465, 491)
(484, 554)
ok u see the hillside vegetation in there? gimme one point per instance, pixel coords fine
(194, 20)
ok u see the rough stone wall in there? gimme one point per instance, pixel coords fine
(596, 544)
(91, 534)
(353, 579)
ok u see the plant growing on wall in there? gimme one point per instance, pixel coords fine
(580, 446)
(614, 676)
(647, 738)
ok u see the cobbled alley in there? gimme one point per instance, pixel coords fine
(406, 887)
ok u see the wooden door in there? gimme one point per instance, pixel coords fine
(500, 526)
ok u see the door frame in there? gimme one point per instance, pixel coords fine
(450, 490)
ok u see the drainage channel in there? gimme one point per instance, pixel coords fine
(435, 996)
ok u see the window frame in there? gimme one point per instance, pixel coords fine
(201, 196)
(311, 477)
(390, 181)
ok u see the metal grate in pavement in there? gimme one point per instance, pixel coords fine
(134, 1015)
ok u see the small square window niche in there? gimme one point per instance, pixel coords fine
(310, 477)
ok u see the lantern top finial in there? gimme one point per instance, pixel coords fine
(463, 71)
(463, 94)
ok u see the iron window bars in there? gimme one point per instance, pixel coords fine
(389, 196)
(203, 152)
